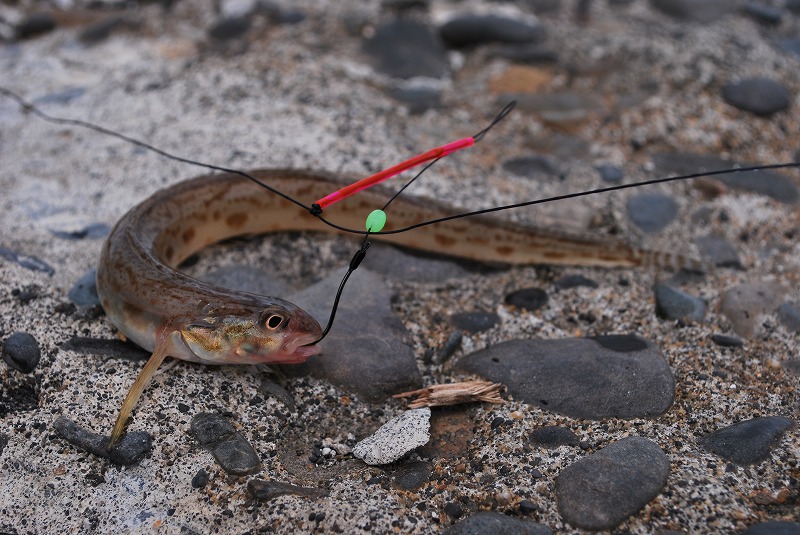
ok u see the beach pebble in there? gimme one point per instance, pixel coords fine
(227, 29)
(417, 99)
(406, 48)
(725, 340)
(674, 304)
(603, 489)
(746, 305)
(84, 292)
(200, 479)
(767, 15)
(411, 476)
(760, 96)
(28, 262)
(773, 527)
(610, 173)
(531, 166)
(21, 352)
(231, 450)
(263, 490)
(491, 523)
(35, 24)
(529, 299)
(718, 251)
(130, 449)
(651, 211)
(748, 442)
(695, 10)
(574, 281)
(789, 315)
(395, 438)
(553, 436)
(474, 322)
(615, 376)
(471, 30)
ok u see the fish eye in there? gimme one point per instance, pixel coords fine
(273, 321)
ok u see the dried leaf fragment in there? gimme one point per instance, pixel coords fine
(454, 394)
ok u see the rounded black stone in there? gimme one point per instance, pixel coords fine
(760, 96)
(474, 322)
(531, 166)
(35, 24)
(610, 173)
(21, 352)
(469, 30)
(528, 298)
(748, 442)
(493, 523)
(725, 340)
(453, 509)
(574, 281)
(652, 212)
(412, 475)
(553, 436)
(695, 10)
(405, 48)
(230, 28)
(673, 304)
(200, 479)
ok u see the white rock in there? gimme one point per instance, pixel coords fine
(396, 437)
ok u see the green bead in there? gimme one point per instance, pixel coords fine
(376, 220)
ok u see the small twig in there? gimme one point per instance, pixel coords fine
(454, 394)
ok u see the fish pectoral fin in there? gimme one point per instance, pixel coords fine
(164, 345)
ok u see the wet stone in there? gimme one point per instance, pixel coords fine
(774, 527)
(230, 449)
(471, 30)
(264, 491)
(789, 316)
(764, 14)
(726, 341)
(21, 352)
(616, 376)
(399, 264)
(748, 442)
(718, 251)
(531, 166)
(405, 49)
(474, 322)
(491, 523)
(395, 438)
(574, 281)
(760, 96)
(610, 173)
(603, 489)
(418, 99)
(529, 299)
(200, 479)
(695, 10)
(84, 292)
(674, 304)
(553, 436)
(366, 332)
(413, 475)
(229, 28)
(35, 24)
(746, 305)
(652, 212)
(130, 449)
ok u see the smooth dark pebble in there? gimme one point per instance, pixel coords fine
(405, 49)
(26, 295)
(264, 491)
(412, 475)
(527, 507)
(529, 299)
(718, 251)
(493, 523)
(453, 509)
(651, 211)
(200, 479)
(21, 352)
(725, 340)
(470, 30)
(281, 15)
(100, 30)
(603, 489)
(130, 449)
(28, 262)
(574, 281)
(90, 231)
(84, 292)
(790, 45)
(367, 331)
(276, 391)
(674, 304)
(747, 442)
(449, 347)
(474, 322)
(553, 436)
(760, 96)
(695, 10)
(231, 28)
(614, 376)
(767, 15)
(35, 24)
(789, 315)
(531, 166)
(774, 527)
(418, 99)
(230, 449)
(106, 347)
(610, 173)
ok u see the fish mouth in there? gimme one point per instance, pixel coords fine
(301, 347)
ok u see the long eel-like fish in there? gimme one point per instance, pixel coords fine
(172, 314)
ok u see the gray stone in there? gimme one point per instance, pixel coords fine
(718, 251)
(397, 264)
(474, 322)
(775, 527)
(552, 436)
(529, 299)
(492, 523)
(695, 10)
(651, 212)
(130, 449)
(396, 437)
(603, 489)
(746, 305)
(574, 281)
(470, 30)
(760, 96)
(619, 376)
(764, 14)
(411, 476)
(789, 314)
(364, 352)
(405, 49)
(231, 450)
(673, 304)
(21, 352)
(610, 173)
(84, 292)
(531, 166)
(748, 442)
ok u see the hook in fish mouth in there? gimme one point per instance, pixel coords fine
(302, 346)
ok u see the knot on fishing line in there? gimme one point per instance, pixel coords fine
(315, 210)
(359, 256)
